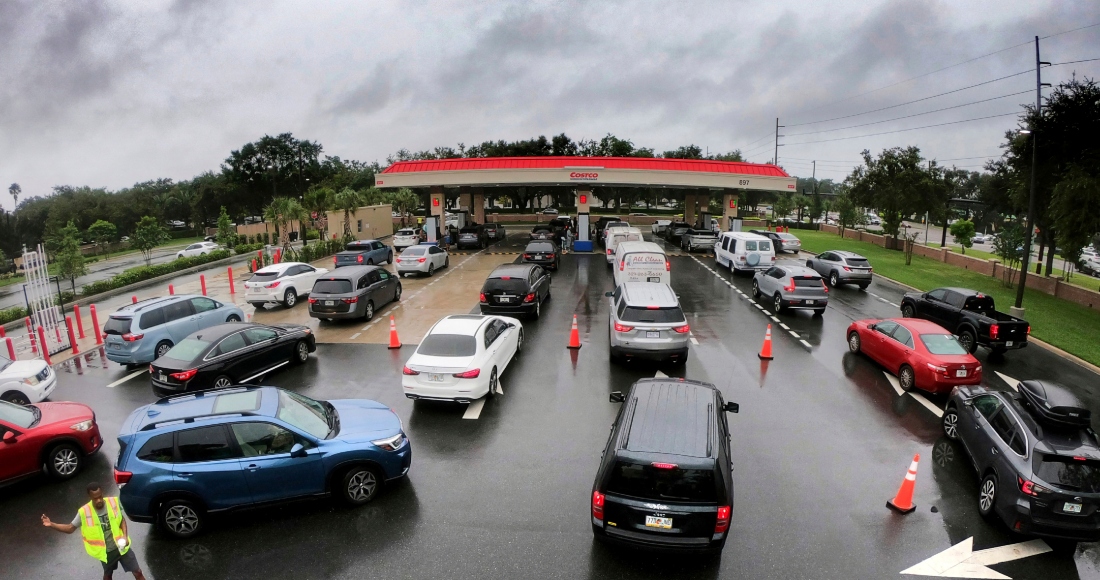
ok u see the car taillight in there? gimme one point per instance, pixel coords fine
(622, 328)
(1029, 329)
(825, 286)
(682, 329)
(351, 300)
(398, 260)
(481, 297)
(870, 270)
(407, 371)
(847, 269)
(334, 259)
(359, 258)
(622, 265)
(313, 301)
(660, 465)
(129, 337)
(597, 505)
(936, 368)
(994, 330)
(790, 288)
(723, 522)
(609, 251)
(1030, 488)
(184, 375)
(274, 284)
(421, 260)
(527, 256)
(550, 256)
(468, 374)
(668, 266)
(530, 297)
(122, 477)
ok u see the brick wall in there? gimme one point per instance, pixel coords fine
(970, 263)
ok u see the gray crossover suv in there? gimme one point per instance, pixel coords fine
(354, 292)
(791, 287)
(646, 322)
(841, 267)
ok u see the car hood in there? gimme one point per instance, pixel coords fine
(364, 420)
(21, 369)
(61, 412)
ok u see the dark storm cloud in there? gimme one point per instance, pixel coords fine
(370, 96)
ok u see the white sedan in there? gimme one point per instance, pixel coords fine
(281, 283)
(25, 381)
(422, 259)
(199, 249)
(462, 357)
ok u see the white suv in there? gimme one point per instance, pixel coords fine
(25, 381)
(281, 283)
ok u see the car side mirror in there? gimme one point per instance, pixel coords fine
(298, 450)
(9, 437)
(609, 294)
(731, 407)
(617, 397)
(871, 326)
(968, 403)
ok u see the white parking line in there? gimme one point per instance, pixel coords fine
(881, 299)
(784, 326)
(894, 383)
(126, 378)
(776, 319)
(1008, 380)
(473, 410)
(355, 336)
(793, 333)
(694, 341)
(806, 344)
(927, 404)
(660, 375)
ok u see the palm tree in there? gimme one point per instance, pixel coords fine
(281, 211)
(320, 200)
(348, 200)
(404, 201)
(14, 189)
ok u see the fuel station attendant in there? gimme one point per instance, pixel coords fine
(102, 524)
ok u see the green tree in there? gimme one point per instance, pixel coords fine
(1009, 246)
(320, 199)
(104, 233)
(348, 200)
(848, 215)
(282, 211)
(404, 201)
(782, 206)
(147, 234)
(14, 189)
(896, 184)
(227, 234)
(963, 232)
(67, 257)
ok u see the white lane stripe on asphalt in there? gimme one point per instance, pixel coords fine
(775, 318)
(928, 404)
(694, 341)
(473, 410)
(355, 336)
(894, 305)
(1008, 380)
(784, 326)
(126, 378)
(793, 333)
(894, 383)
(806, 344)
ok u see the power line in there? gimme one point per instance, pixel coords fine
(1074, 61)
(823, 160)
(965, 158)
(758, 140)
(908, 116)
(909, 129)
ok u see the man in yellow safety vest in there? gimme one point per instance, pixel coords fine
(102, 524)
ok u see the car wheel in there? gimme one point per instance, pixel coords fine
(290, 298)
(16, 398)
(863, 286)
(951, 423)
(181, 518)
(854, 342)
(778, 303)
(968, 341)
(809, 264)
(368, 312)
(360, 484)
(987, 496)
(222, 382)
(519, 342)
(370, 261)
(162, 348)
(907, 378)
(755, 289)
(431, 269)
(906, 310)
(397, 293)
(446, 262)
(492, 383)
(301, 350)
(233, 318)
(834, 280)
(819, 312)
(64, 461)
(538, 310)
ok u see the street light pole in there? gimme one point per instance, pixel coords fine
(1018, 309)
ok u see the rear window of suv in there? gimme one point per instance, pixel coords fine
(1069, 473)
(117, 325)
(263, 277)
(808, 282)
(858, 262)
(331, 287)
(656, 315)
(652, 483)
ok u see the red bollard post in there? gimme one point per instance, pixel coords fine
(11, 348)
(30, 334)
(2, 333)
(231, 290)
(42, 341)
(202, 282)
(253, 265)
(79, 322)
(278, 256)
(95, 324)
(133, 299)
(171, 290)
(72, 335)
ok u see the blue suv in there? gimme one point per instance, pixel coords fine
(143, 332)
(188, 456)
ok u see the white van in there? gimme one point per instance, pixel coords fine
(641, 262)
(616, 235)
(741, 251)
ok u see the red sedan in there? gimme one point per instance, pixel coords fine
(57, 435)
(921, 353)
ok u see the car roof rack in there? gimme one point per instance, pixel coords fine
(189, 420)
(203, 394)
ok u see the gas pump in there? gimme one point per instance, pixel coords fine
(583, 243)
(431, 227)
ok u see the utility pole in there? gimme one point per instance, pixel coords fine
(817, 205)
(1018, 309)
(775, 160)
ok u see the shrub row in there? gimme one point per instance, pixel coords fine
(248, 248)
(10, 314)
(142, 273)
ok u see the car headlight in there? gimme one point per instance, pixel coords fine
(32, 381)
(391, 443)
(83, 425)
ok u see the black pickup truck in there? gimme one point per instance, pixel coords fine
(970, 315)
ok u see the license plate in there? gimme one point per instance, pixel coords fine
(116, 346)
(505, 298)
(330, 302)
(653, 279)
(1008, 343)
(960, 373)
(809, 302)
(163, 377)
(1071, 508)
(435, 377)
(539, 256)
(656, 522)
(653, 334)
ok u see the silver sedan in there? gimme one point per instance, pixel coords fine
(422, 259)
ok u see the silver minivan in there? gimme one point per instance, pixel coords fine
(647, 322)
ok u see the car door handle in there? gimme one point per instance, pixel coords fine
(253, 467)
(993, 450)
(185, 474)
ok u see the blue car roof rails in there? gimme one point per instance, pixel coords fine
(201, 394)
(186, 420)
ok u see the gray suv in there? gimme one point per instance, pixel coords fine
(841, 267)
(791, 287)
(646, 322)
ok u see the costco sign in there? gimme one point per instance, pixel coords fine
(583, 176)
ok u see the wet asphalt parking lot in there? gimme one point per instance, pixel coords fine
(823, 439)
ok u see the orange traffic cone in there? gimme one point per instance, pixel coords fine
(766, 350)
(574, 335)
(903, 501)
(394, 341)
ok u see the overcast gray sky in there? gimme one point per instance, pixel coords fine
(109, 94)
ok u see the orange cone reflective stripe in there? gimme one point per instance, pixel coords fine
(766, 350)
(574, 335)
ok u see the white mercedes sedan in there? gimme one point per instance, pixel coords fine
(462, 357)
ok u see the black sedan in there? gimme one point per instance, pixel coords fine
(354, 292)
(230, 354)
(515, 289)
(542, 252)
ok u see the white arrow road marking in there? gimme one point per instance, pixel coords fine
(473, 411)
(660, 375)
(126, 378)
(1008, 380)
(927, 404)
(894, 383)
(960, 561)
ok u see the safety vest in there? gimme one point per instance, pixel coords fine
(93, 533)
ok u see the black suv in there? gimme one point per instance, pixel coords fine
(1037, 457)
(666, 479)
(515, 289)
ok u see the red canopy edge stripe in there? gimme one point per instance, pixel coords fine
(581, 163)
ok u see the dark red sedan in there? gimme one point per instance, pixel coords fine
(921, 353)
(57, 435)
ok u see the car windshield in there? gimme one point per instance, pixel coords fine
(539, 247)
(18, 415)
(117, 325)
(313, 417)
(331, 287)
(414, 251)
(1069, 473)
(263, 276)
(642, 314)
(653, 483)
(4, 363)
(188, 349)
(447, 345)
(942, 344)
